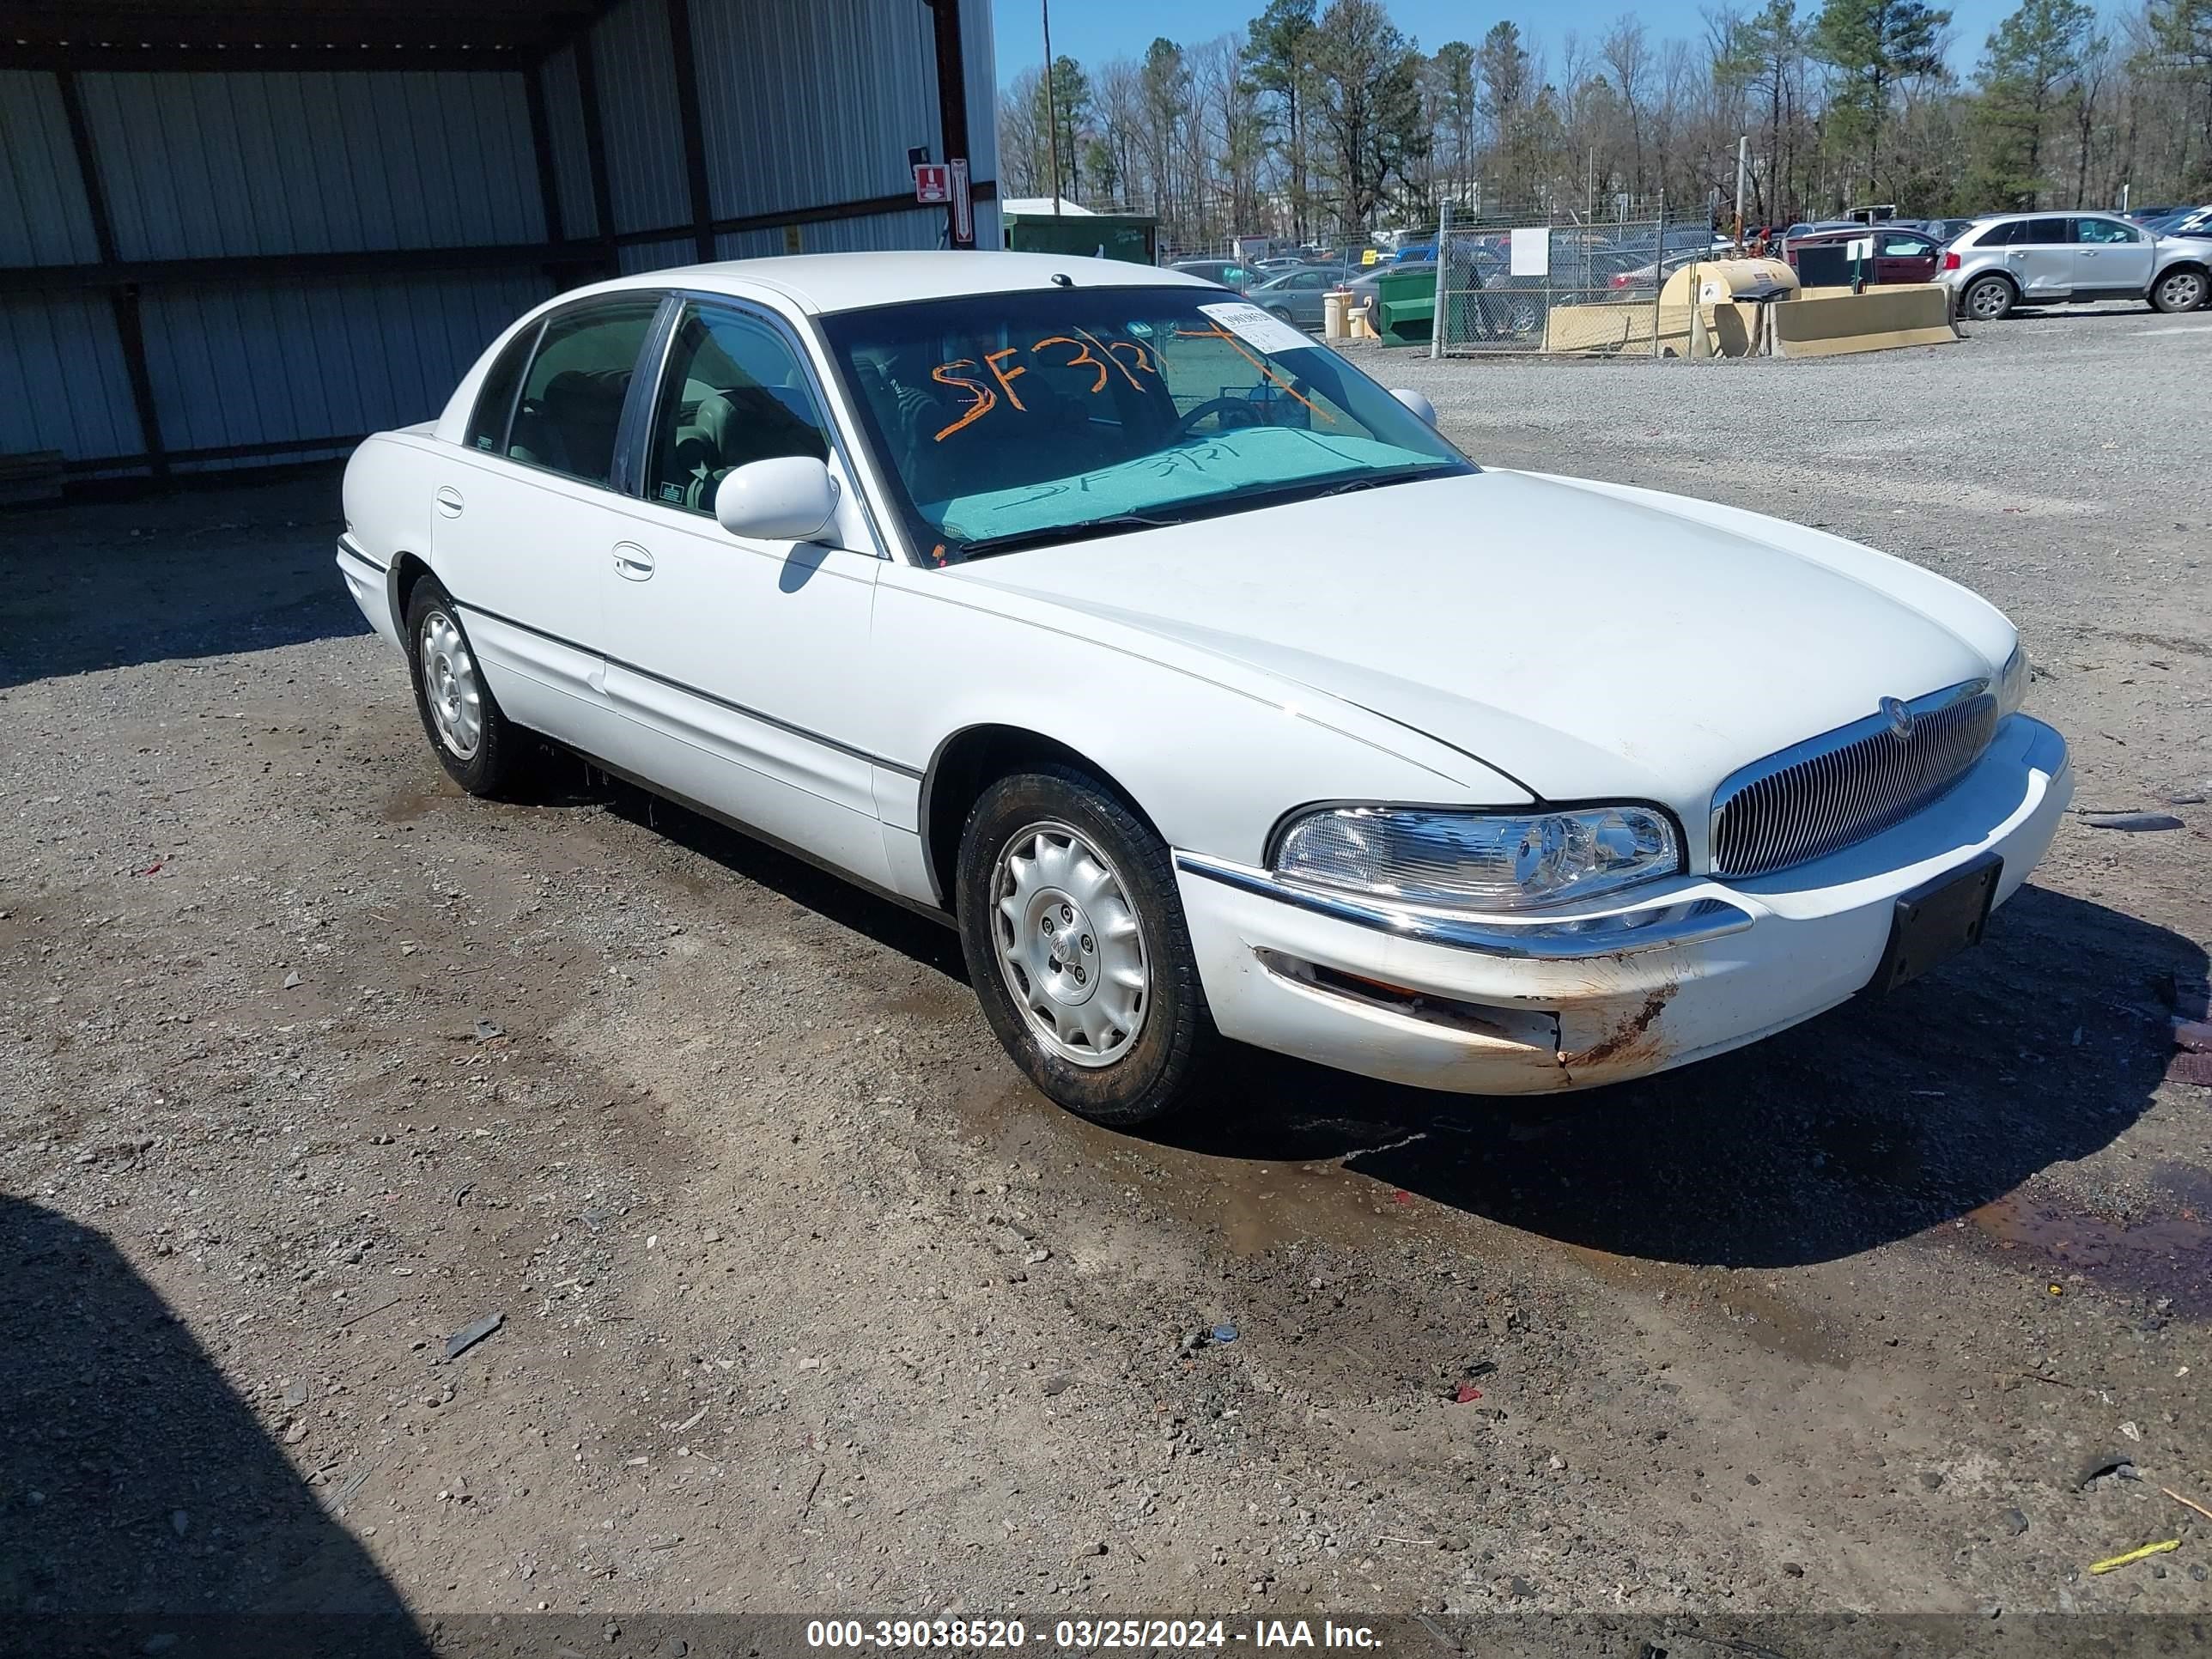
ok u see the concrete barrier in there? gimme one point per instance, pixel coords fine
(1827, 324)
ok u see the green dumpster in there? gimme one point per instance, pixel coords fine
(1406, 304)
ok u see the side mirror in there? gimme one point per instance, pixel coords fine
(1413, 400)
(791, 498)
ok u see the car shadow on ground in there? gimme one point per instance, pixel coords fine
(1873, 1122)
(143, 1508)
(204, 572)
(1881, 1119)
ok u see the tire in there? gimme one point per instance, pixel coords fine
(454, 702)
(1987, 300)
(1281, 314)
(1052, 854)
(2179, 290)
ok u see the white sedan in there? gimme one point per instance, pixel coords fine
(1203, 684)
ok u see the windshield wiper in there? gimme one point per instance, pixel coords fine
(1014, 541)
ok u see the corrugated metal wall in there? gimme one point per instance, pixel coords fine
(805, 105)
(200, 166)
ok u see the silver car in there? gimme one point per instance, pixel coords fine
(2015, 260)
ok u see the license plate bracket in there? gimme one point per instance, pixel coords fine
(1936, 921)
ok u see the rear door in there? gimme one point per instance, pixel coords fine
(2111, 258)
(522, 511)
(2041, 259)
(1903, 255)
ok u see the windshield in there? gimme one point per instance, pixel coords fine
(1007, 420)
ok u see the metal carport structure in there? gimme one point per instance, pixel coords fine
(253, 230)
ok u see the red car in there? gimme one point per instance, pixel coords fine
(1821, 258)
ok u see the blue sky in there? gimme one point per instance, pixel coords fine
(1094, 30)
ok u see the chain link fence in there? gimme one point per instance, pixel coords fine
(1560, 280)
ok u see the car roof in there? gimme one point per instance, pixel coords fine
(845, 282)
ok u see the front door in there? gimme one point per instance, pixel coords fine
(522, 510)
(2112, 258)
(2041, 260)
(742, 666)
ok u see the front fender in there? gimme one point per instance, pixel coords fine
(1212, 752)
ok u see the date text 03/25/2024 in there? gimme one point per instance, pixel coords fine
(1083, 1635)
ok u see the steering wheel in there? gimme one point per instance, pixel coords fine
(1247, 414)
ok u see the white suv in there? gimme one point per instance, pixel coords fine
(2062, 259)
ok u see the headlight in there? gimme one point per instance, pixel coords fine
(2012, 682)
(1478, 861)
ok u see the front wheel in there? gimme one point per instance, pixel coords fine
(2179, 290)
(1989, 300)
(1076, 945)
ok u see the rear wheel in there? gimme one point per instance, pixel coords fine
(2179, 290)
(1076, 947)
(479, 747)
(1988, 299)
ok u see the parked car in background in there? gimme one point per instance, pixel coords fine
(2145, 215)
(1901, 254)
(1944, 229)
(2183, 221)
(1229, 273)
(1277, 263)
(2019, 260)
(1298, 297)
(1194, 678)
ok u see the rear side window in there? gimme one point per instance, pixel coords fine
(495, 398)
(572, 399)
(2043, 233)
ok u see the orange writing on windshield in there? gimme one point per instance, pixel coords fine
(981, 405)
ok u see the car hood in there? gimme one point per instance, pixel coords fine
(1587, 639)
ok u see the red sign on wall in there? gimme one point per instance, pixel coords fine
(933, 181)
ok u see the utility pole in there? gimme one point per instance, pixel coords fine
(1051, 114)
(1742, 162)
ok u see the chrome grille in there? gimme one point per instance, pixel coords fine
(1848, 784)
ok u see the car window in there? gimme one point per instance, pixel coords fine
(2047, 233)
(495, 398)
(733, 392)
(2000, 235)
(572, 399)
(1903, 247)
(2103, 231)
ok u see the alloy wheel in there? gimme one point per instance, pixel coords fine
(1070, 946)
(1987, 302)
(450, 685)
(2182, 291)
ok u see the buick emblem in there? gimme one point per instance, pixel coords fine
(1902, 720)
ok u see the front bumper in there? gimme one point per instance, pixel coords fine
(1533, 1004)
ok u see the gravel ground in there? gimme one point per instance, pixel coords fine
(307, 1061)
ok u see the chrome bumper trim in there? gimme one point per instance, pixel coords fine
(1652, 928)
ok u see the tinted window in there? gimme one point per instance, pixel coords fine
(2043, 233)
(734, 393)
(2107, 230)
(2003, 235)
(572, 401)
(495, 400)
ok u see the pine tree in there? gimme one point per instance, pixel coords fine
(1874, 44)
(2030, 77)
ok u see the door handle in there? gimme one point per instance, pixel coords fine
(449, 501)
(633, 561)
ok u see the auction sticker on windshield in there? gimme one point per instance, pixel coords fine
(1256, 327)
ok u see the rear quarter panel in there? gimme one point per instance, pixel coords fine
(387, 497)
